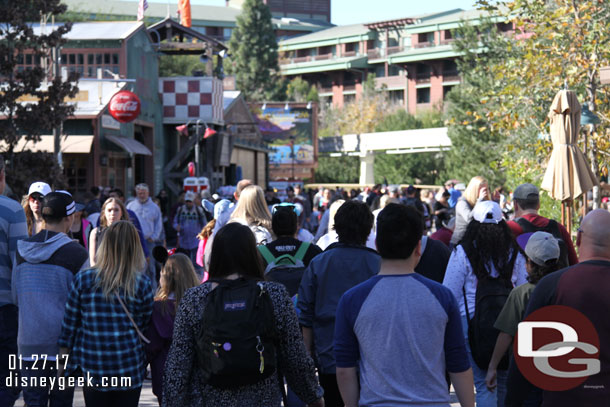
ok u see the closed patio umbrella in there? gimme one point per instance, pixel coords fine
(568, 175)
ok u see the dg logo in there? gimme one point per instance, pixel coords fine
(557, 348)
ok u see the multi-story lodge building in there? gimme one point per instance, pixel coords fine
(412, 58)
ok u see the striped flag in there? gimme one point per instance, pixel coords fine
(142, 6)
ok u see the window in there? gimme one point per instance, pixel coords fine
(397, 96)
(425, 38)
(380, 71)
(423, 73)
(348, 99)
(87, 64)
(448, 35)
(423, 95)
(226, 33)
(395, 70)
(450, 68)
(446, 90)
(352, 48)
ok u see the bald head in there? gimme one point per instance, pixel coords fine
(594, 239)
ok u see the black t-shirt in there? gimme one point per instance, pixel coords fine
(443, 216)
(290, 245)
(434, 259)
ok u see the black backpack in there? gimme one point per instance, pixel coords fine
(286, 269)
(553, 228)
(490, 297)
(237, 342)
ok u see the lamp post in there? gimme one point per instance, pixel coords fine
(292, 138)
(590, 119)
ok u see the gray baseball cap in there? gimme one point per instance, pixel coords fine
(542, 247)
(526, 192)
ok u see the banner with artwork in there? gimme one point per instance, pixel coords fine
(289, 132)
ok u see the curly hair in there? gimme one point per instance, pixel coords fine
(536, 272)
(490, 244)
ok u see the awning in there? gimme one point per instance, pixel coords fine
(130, 145)
(69, 144)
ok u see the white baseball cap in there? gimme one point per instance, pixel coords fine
(487, 212)
(189, 196)
(39, 187)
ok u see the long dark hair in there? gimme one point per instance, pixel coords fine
(234, 251)
(490, 243)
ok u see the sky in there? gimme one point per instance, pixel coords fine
(365, 11)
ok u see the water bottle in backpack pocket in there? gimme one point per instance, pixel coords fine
(237, 342)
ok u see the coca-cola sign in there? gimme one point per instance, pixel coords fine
(125, 106)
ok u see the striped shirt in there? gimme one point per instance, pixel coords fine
(101, 339)
(13, 227)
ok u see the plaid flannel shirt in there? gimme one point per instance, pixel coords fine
(101, 339)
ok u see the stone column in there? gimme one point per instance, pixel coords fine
(367, 171)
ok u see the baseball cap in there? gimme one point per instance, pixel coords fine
(58, 205)
(487, 212)
(189, 196)
(526, 191)
(542, 247)
(39, 187)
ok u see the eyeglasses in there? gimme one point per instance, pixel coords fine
(579, 230)
(35, 197)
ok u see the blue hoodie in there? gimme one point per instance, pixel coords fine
(46, 265)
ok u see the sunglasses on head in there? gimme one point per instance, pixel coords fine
(285, 206)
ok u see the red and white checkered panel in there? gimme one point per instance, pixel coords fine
(191, 98)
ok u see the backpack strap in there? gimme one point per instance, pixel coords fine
(266, 253)
(526, 225)
(466, 303)
(300, 254)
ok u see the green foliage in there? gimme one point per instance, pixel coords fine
(477, 146)
(179, 65)
(32, 119)
(421, 168)
(27, 167)
(372, 113)
(338, 169)
(253, 47)
(299, 90)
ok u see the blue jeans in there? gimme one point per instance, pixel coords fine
(8, 346)
(43, 396)
(484, 397)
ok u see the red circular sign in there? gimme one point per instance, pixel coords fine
(125, 106)
(557, 348)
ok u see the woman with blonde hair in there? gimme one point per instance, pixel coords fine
(476, 191)
(177, 276)
(108, 308)
(252, 211)
(113, 210)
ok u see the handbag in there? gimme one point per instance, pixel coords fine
(140, 334)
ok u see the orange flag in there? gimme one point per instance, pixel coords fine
(184, 8)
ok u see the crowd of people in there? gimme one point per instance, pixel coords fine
(330, 297)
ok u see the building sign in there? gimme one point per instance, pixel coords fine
(125, 106)
(109, 123)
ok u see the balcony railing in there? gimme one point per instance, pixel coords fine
(375, 53)
(395, 50)
(426, 44)
(447, 41)
(323, 89)
(308, 58)
(349, 54)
